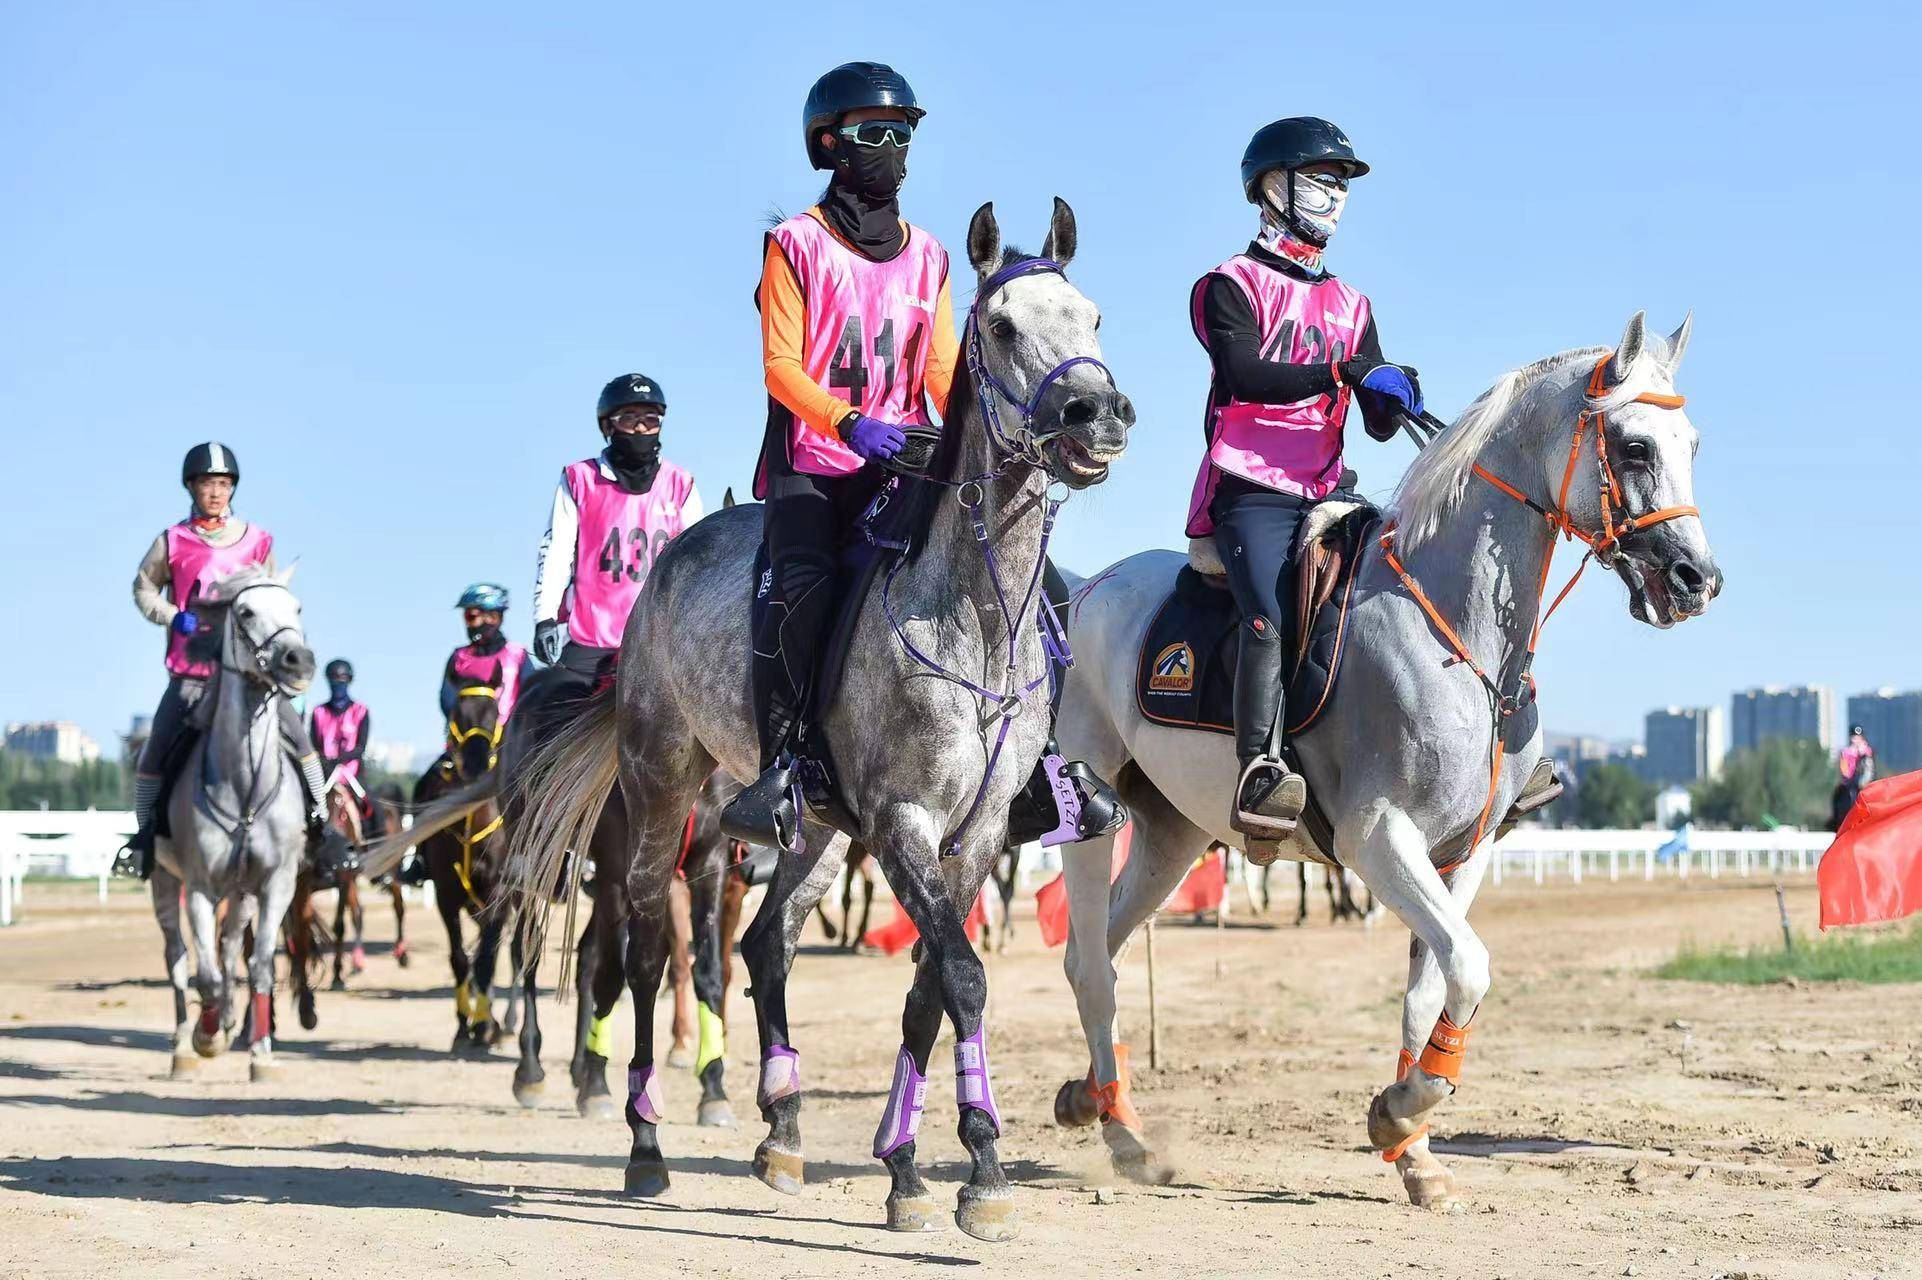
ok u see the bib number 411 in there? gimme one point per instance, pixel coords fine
(850, 368)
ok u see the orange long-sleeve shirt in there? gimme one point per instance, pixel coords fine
(784, 337)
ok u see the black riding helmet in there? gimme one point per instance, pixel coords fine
(849, 87)
(629, 389)
(211, 458)
(1291, 144)
(340, 669)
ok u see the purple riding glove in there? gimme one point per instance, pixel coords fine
(873, 439)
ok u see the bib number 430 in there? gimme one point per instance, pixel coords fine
(636, 558)
(850, 369)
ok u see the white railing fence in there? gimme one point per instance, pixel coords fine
(1535, 854)
(71, 844)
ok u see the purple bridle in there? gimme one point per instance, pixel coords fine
(1004, 704)
(1027, 447)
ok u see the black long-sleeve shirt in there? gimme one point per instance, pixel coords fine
(1234, 344)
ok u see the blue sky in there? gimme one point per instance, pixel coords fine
(390, 253)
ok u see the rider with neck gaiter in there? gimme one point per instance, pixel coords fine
(612, 516)
(858, 345)
(341, 729)
(181, 566)
(1290, 345)
(488, 657)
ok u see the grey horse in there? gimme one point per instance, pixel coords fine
(1404, 761)
(238, 820)
(910, 744)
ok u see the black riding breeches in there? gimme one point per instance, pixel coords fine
(1255, 534)
(807, 519)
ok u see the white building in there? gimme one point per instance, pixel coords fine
(390, 756)
(59, 740)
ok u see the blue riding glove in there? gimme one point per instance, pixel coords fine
(873, 439)
(1395, 381)
(185, 623)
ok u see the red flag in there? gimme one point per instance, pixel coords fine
(1204, 888)
(1873, 870)
(898, 934)
(1051, 903)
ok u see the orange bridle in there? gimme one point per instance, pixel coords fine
(1602, 544)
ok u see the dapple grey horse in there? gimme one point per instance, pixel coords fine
(911, 743)
(1403, 760)
(238, 819)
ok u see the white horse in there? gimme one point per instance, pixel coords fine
(238, 819)
(1418, 753)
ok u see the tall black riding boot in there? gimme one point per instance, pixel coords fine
(763, 812)
(1064, 802)
(1268, 797)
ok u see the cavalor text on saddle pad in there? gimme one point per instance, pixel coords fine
(1185, 676)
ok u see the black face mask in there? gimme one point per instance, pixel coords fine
(486, 637)
(861, 203)
(635, 458)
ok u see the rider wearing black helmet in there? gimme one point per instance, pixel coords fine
(858, 344)
(181, 565)
(341, 728)
(612, 516)
(1290, 345)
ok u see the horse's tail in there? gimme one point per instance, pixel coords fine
(556, 797)
(385, 854)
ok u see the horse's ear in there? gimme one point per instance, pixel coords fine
(1677, 344)
(1060, 244)
(984, 240)
(1630, 348)
(286, 576)
(727, 498)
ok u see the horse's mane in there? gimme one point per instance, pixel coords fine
(251, 575)
(1437, 479)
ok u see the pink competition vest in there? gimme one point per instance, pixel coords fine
(503, 669)
(621, 535)
(338, 732)
(192, 567)
(1852, 758)
(1290, 448)
(868, 330)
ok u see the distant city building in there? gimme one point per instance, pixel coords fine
(1893, 723)
(53, 740)
(1684, 744)
(1797, 711)
(1673, 807)
(390, 756)
(1576, 753)
(1634, 758)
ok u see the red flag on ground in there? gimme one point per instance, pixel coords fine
(1051, 903)
(1873, 870)
(1204, 888)
(898, 934)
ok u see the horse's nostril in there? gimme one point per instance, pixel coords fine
(1080, 411)
(1686, 578)
(1124, 409)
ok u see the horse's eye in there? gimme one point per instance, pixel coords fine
(1636, 451)
(245, 615)
(1002, 328)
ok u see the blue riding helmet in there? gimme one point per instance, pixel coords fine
(490, 596)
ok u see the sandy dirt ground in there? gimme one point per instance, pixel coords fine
(1609, 1123)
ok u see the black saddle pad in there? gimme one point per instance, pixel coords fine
(1185, 676)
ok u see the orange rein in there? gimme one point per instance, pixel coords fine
(1602, 543)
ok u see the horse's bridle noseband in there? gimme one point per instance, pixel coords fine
(1025, 447)
(458, 737)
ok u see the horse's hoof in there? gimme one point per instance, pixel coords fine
(715, 1114)
(782, 1170)
(309, 1015)
(1428, 1182)
(338, 984)
(988, 1219)
(646, 1178)
(680, 1057)
(265, 1072)
(1074, 1106)
(1143, 1166)
(528, 1092)
(914, 1213)
(209, 1046)
(184, 1064)
(597, 1106)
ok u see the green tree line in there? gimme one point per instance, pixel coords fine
(27, 783)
